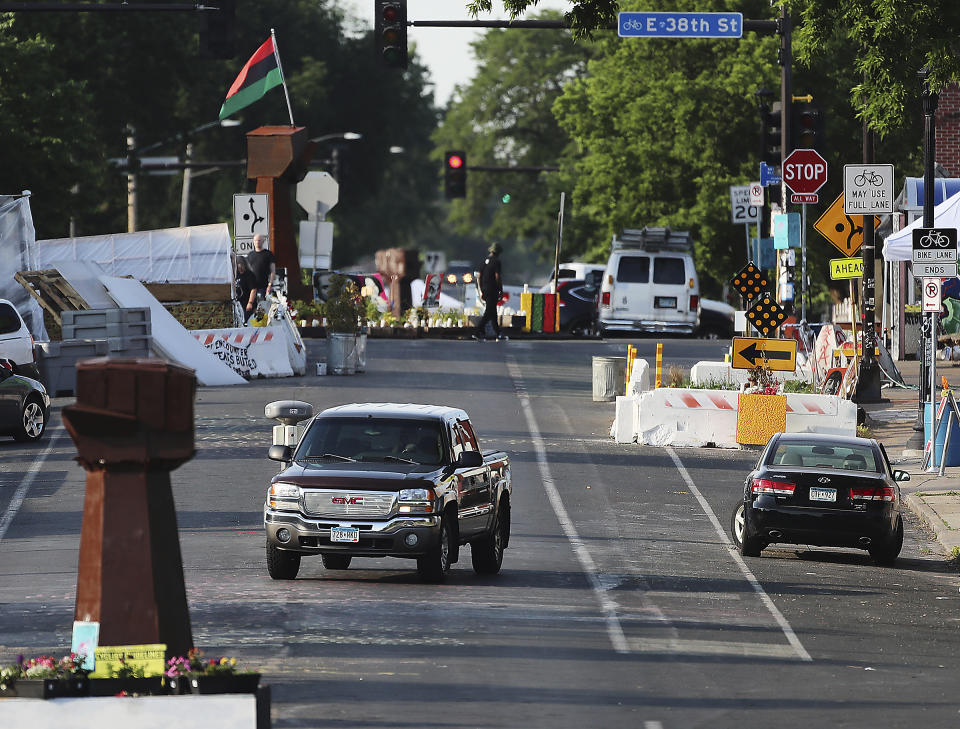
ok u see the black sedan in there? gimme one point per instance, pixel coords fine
(578, 306)
(822, 490)
(24, 405)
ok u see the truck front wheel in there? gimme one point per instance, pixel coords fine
(281, 564)
(434, 565)
(487, 553)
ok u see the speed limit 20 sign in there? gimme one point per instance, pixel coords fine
(741, 210)
(804, 172)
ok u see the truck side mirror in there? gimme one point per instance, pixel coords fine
(280, 453)
(470, 459)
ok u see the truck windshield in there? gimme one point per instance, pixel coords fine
(374, 439)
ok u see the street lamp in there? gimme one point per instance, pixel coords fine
(335, 153)
(187, 171)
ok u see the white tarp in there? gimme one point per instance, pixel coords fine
(17, 237)
(899, 246)
(196, 254)
(170, 339)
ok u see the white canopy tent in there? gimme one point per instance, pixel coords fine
(899, 246)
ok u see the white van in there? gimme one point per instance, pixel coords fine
(650, 283)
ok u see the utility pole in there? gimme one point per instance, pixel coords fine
(185, 191)
(868, 379)
(132, 162)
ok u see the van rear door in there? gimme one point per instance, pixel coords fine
(631, 297)
(670, 293)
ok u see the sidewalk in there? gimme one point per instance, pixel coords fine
(934, 499)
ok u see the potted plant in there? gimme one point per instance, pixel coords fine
(127, 680)
(343, 309)
(45, 677)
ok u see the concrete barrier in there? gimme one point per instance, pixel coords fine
(691, 418)
(249, 351)
(703, 373)
(639, 377)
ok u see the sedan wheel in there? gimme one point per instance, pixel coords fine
(33, 421)
(747, 544)
(886, 553)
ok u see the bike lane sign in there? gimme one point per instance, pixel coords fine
(935, 251)
(867, 189)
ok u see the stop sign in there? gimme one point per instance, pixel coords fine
(805, 171)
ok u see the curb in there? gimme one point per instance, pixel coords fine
(948, 538)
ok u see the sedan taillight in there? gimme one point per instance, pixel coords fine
(872, 493)
(778, 488)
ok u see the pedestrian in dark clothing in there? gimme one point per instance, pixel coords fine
(263, 264)
(491, 288)
(246, 287)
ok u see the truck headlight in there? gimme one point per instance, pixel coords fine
(416, 501)
(283, 496)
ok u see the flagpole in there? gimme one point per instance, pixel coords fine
(283, 78)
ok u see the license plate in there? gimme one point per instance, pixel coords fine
(665, 302)
(344, 534)
(823, 494)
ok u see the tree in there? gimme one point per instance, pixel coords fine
(892, 41)
(503, 118)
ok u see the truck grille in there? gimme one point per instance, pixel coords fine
(348, 503)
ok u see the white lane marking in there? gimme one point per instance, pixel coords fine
(589, 567)
(754, 582)
(20, 494)
(652, 725)
(710, 648)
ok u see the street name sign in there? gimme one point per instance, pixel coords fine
(680, 25)
(841, 268)
(932, 291)
(742, 210)
(867, 189)
(768, 175)
(804, 171)
(843, 232)
(779, 355)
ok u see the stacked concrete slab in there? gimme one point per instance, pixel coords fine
(93, 333)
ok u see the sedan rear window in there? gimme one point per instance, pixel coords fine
(668, 271)
(817, 455)
(634, 269)
(9, 319)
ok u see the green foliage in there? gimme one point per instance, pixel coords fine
(584, 17)
(797, 386)
(343, 307)
(58, 129)
(863, 431)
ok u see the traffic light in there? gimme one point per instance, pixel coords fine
(390, 29)
(806, 126)
(217, 34)
(455, 174)
(771, 134)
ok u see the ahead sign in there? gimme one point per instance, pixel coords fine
(805, 171)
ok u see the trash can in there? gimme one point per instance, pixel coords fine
(953, 452)
(609, 378)
(341, 353)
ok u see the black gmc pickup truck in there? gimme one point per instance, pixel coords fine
(388, 480)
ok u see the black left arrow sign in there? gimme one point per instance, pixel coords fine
(752, 353)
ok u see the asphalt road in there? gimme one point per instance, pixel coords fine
(621, 602)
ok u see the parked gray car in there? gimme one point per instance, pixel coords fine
(24, 405)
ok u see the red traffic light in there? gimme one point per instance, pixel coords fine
(454, 161)
(390, 14)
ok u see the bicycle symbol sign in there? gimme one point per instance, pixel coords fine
(934, 245)
(867, 189)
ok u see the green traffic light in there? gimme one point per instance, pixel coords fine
(506, 198)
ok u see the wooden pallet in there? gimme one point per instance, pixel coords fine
(52, 291)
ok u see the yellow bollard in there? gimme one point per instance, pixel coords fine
(659, 363)
(631, 356)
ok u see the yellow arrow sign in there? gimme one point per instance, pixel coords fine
(844, 231)
(777, 354)
(846, 268)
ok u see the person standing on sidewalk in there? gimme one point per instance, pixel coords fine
(491, 288)
(264, 266)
